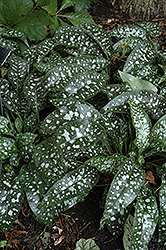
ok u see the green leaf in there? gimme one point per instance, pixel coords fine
(52, 7)
(88, 244)
(128, 233)
(14, 10)
(145, 219)
(158, 131)
(123, 190)
(136, 83)
(33, 25)
(11, 197)
(18, 124)
(128, 31)
(162, 209)
(142, 125)
(26, 139)
(108, 165)
(43, 2)
(7, 148)
(4, 126)
(66, 192)
(127, 44)
(78, 18)
(66, 4)
(14, 33)
(9, 44)
(152, 28)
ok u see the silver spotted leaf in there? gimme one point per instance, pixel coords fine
(114, 90)
(88, 244)
(152, 28)
(142, 125)
(27, 152)
(26, 139)
(100, 36)
(108, 165)
(126, 44)
(162, 209)
(30, 122)
(143, 54)
(33, 186)
(128, 31)
(14, 33)
(4, 129)
(29, 54)
(11, 198)
(74, 37)
(150, 101)
(159, 132)
(124, 189)
(145, 218)
(7, 147)
(9, 44)
(72, 110)
(137, 83)
(66, 192)
(128, 233)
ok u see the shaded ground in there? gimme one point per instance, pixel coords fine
(81, 221)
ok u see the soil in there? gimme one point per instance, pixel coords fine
(82, 220)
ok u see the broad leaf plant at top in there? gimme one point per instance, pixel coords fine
(66, 120)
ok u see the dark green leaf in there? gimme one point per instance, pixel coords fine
(152, 28)
(128, 233)
(66, 4)
(4, 126)
(84, 244)
(26, 139)
(7, 147)
(127, 44)
(14, 33)
(78, 18)
(128, 31)
(18, 124)
(158, 131)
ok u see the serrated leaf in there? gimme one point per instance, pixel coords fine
(4, 126)
(11, 197)
(136, 83)
(128, 233)
(152, 28)
(142, 125)
(108, 165)
(88, 244)
(162, 209)
(128, 31)
(68, 191)
(78, 18)
(145, 219)
(7, 148)
(124, 189)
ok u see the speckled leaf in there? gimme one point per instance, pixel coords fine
(124, 189)
(26, 138)
(10, 200)
(143, 54)
(136, 83)
(108, 165)
(152, 28)
(33, 186)
(162, 209)
(114, 90)
(7, 147)
(18, 124)
(150, 101)
(101, 37)
(128, 31)
(145, 219)
(14, 33)
(29, 54)
(73, 37)
(70, 110)
(142, 125)
(9, 44)
(159, 132)
(128, 233)
(88, 244)
(68, 191)
(127, 44)
(77, 18)
(30, 122)
(4, 126)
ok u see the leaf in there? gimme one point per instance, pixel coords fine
(128, 31)
(14, 33)
(13, 10)
(66, 4)
(43, 2)
(142, 125)
(136, 83)
(145, 219)
(18, 124)
(108, 165)
(7, 148)
(152, 28)
(26, 139)
(9, 44)
(11, 197)
(128, 233)
(88, 244)
(66, 192)
(4, 126)
(78, 18)
(51, 7)
(162, 209)
(33, 25)
(124, 189)
(158, 131)
(127, 44)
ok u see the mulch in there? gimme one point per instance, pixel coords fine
(82, 220)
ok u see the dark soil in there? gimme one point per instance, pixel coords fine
(83, 220)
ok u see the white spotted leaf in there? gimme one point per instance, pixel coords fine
(128, 31)
(14, 33)
(158, 132)
(4, 129)
(26, 139)
(7, 147)
(152, 28)
(88, 244)
(162, 209)
(128, 233)
(126, 44)
(142, 125)
(11, 197)
(145, 218)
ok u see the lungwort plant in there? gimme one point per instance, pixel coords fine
(65, 120)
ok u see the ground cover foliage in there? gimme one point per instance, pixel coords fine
(66, 118)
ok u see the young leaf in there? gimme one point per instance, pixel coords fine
(145, 219)
(88, 244)
(18, 124)
(152, 28)
(142, 125)
(136, 83)
(162, 209)
(128, 31)
(11, 197)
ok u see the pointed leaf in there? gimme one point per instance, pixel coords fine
(152, 28)
(128, 233)
(78, 18)
(14, 33)
(158, 131)
(128, 31)
(145, 219)
(162, 209)
(26, 138)
(127, 44)
(7, 148)
(18, 124)
(66, 4)
(142, 125)
(4, 126)
(88, 244)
